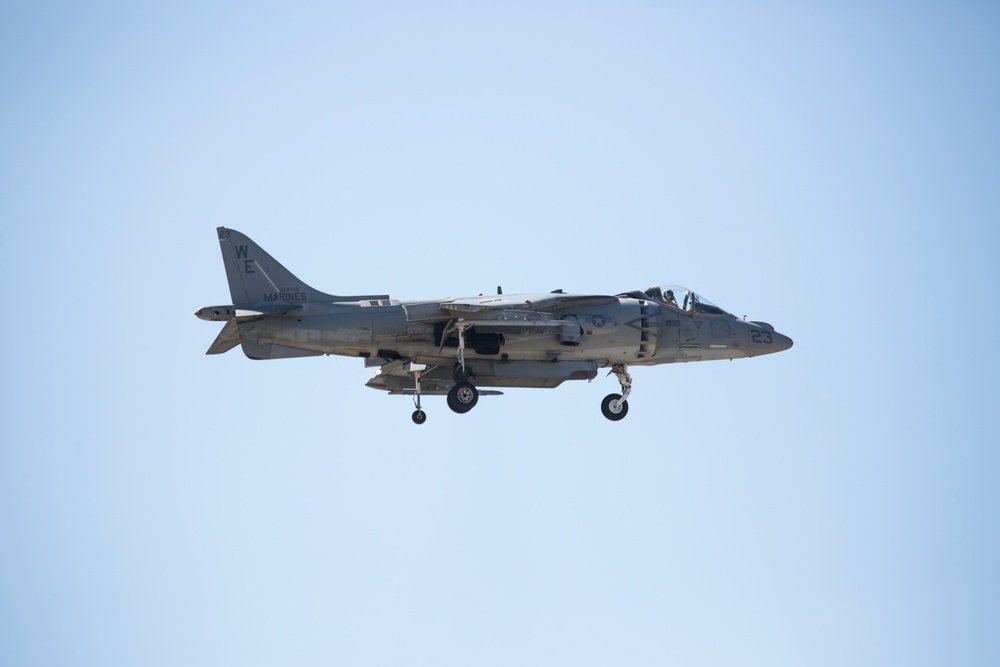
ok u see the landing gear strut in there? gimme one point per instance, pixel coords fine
(615, 406)
(419, 416)
(463, 396)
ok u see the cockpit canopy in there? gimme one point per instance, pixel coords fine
(678, 297)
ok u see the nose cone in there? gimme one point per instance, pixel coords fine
(781, 342)
(764, 339)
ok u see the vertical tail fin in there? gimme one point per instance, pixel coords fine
(255, 277)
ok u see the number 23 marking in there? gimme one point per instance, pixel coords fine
(758, 336)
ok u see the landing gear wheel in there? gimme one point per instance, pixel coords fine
(461, 374)
(419, 416)
(614, 408)
(463, 397)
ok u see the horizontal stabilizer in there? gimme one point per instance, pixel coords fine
(227, 339)
(225, 313)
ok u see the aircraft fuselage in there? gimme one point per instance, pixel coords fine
(453, 346)
(628, 331)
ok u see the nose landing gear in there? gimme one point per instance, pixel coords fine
(615, 406)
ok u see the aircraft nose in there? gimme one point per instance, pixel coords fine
(781, 342)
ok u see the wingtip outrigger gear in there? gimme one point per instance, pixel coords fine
(419, 416)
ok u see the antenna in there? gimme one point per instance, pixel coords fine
(499, 289)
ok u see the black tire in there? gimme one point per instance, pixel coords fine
(461, 375)
(463, 397)
(614, 415)
(419, 416)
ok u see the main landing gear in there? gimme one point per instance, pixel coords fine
(461, 398)
(615, 406)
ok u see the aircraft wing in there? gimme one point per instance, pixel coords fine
(502, 307)
(435, 381)
(512, 321)
(536, 302)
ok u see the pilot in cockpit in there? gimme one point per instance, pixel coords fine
(668, 298)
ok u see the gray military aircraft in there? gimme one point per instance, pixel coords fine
(456, 346)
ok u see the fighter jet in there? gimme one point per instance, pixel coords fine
(467, 347)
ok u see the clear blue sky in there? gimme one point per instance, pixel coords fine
(831, 169)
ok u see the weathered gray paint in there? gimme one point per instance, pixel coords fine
(511, 340)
